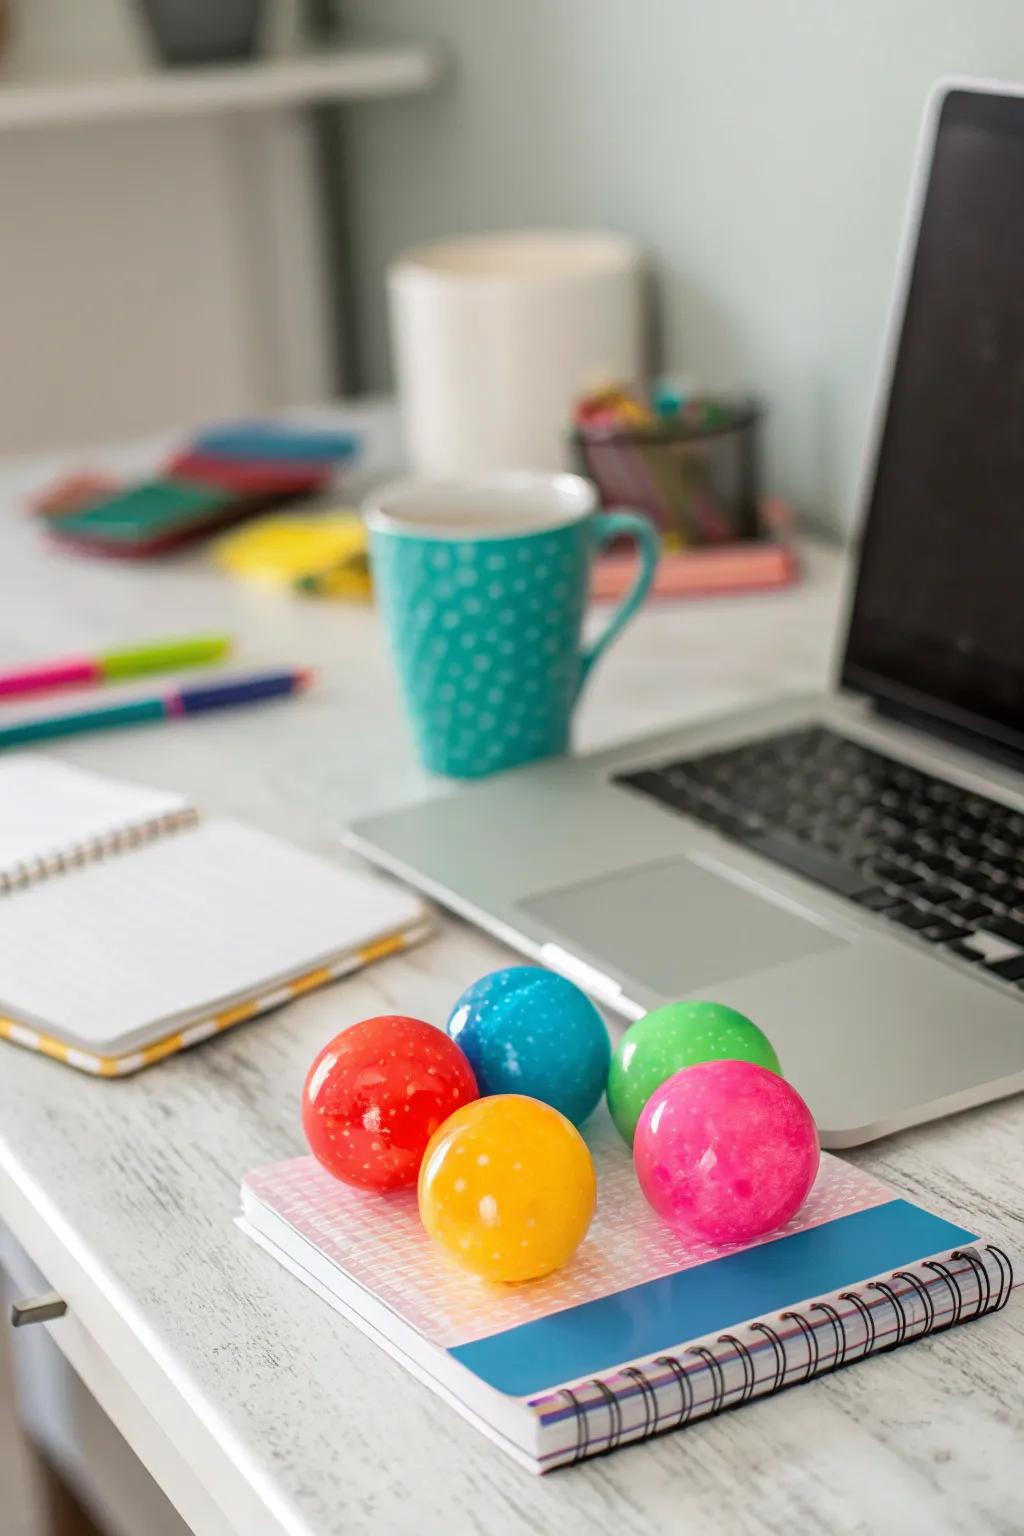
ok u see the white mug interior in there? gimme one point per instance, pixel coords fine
(495, 506)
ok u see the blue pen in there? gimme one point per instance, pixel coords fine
(182, 702)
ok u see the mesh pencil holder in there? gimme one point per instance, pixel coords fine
(696, 474)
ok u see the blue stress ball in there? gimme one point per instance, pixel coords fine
(525, 1030)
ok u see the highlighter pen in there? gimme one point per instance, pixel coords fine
(115, 666)
(177, 705)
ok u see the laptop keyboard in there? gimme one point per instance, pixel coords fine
(922, 853)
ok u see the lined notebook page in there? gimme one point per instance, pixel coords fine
(120, 953)
(48, 809)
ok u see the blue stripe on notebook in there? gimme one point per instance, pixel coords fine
(662, 1314)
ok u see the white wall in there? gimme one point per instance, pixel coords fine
(760, 151)
(152, 274)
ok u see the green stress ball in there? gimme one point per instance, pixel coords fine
(674, 1036)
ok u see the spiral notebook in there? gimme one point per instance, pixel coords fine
(130, 928)
(644, 1331)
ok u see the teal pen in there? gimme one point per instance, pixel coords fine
(139, 713)
(227, 694)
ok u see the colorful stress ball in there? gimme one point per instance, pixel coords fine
(508, 1187)
(377, 1093)
(726, 1150)
(531, 1032)
(675, 1036)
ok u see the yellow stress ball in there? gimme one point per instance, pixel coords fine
(507, 1185)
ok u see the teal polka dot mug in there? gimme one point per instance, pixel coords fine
(483, 586)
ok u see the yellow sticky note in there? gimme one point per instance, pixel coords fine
(351, 580)
(289, 551)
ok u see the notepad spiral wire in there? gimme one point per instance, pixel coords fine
(597, 1416)
(28, 872)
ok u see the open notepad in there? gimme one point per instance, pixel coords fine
(129, 928)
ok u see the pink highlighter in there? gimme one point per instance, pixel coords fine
(113, 666)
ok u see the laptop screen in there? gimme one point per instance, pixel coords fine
(938, 616)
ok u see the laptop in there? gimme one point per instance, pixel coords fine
(847, 870)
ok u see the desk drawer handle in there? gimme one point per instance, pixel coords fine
(38, 1309)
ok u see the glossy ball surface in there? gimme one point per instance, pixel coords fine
(508, 1188)
(377, 1093)
(726, 1150)
(525, 1030)
(674, 1036)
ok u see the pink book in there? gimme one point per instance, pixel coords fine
(704, 570)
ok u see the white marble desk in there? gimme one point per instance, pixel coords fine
(260, 1411)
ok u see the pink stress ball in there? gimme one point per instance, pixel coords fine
(726, 1149)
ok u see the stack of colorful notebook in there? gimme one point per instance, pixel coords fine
(221, 477)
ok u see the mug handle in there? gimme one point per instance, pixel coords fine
(605, 527)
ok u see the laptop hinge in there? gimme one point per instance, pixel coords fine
(946, 730)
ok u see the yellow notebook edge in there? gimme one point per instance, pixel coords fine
(203, 1029)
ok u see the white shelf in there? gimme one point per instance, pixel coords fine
(149, 91)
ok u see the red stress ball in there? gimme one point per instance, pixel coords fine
(377, 1093)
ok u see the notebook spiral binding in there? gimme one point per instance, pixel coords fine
(888, 1318)
(118, 840)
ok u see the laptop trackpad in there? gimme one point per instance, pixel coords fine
(677, 927)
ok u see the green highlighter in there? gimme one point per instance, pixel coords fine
(162, 656)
